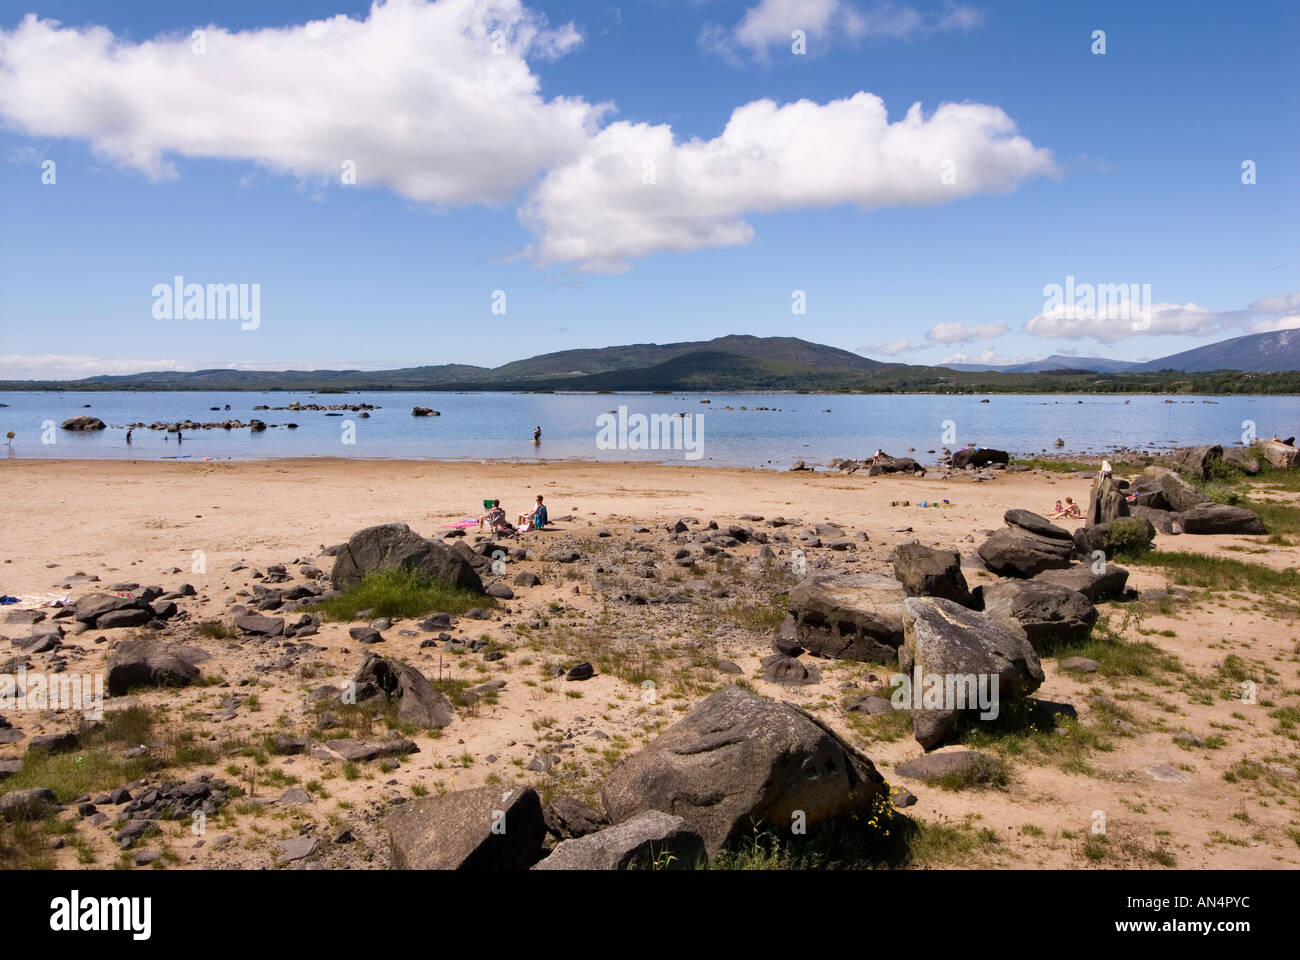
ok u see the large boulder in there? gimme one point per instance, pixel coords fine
(1106, 584)
(946, 641)
(34, 804)
(1177, 493)
(84, 423)
(1161, 520)
(927, 572)
(1279, 455)
(488, 828)
(1212, 517)
(1107, 501)
(395, 682)
(856, 617)
(1196, 462)
(568, 818)
(1027, 545)
(151, 662)
(887, 464)
(1049, 614)
(1242, 459)
(95, 605)
(738, 760)
(647, 841)
(978, 457)
(397, 545)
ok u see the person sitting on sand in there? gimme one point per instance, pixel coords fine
(1059, 511)
(495, 517)
(537, 519)
(1070, 511)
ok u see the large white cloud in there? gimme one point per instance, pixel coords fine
(428, 100)
(1112, 322)
(415, 95)
(599, 210)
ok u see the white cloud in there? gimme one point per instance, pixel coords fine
(988, 356)
(886, 348)
(416, 98)
(54, 366)
(414, 95)
(1291, 322)
(1111, 324)
(769, 24)
(599, 210)
(957, 332)
(1283, 304)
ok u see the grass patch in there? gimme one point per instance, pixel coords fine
(759, 617)
(1117, 657)
(398, 592)
(214, 630)
(1222, 573)
(874, 839)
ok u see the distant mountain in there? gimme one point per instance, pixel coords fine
(746, 363)
(578, 363)
(1054, 362)
(1253, 353)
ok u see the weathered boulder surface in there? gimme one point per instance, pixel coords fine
(395, 682)
(93, 606)
(1197, 462)
(151, 662)
(738, 759)
(1108, 584)
(887, 464)
(650, 839)
(1048, 613)
(568, 818)
(946, 640)
(488, 828)
(784, 669)
(927, 572)
(397, 545)
(1107, 501)
(1162, 521)
(84, 423)
(1164, 489)
(978, 457)
(855, 617)
(33, 804)
(1210, 518)
(1279, 455)
(1027, 545)
(1242, 459)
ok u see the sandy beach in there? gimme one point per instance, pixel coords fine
(140, 522)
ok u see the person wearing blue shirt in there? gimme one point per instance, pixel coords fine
(537, 519)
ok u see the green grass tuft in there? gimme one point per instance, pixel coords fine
(398, 592)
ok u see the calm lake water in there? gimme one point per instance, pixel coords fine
(475, 426)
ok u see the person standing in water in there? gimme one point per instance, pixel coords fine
(128, 436)
(537, 434)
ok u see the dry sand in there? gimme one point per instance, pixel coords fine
(131, 521)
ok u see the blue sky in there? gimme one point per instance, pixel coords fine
(1127, 170)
